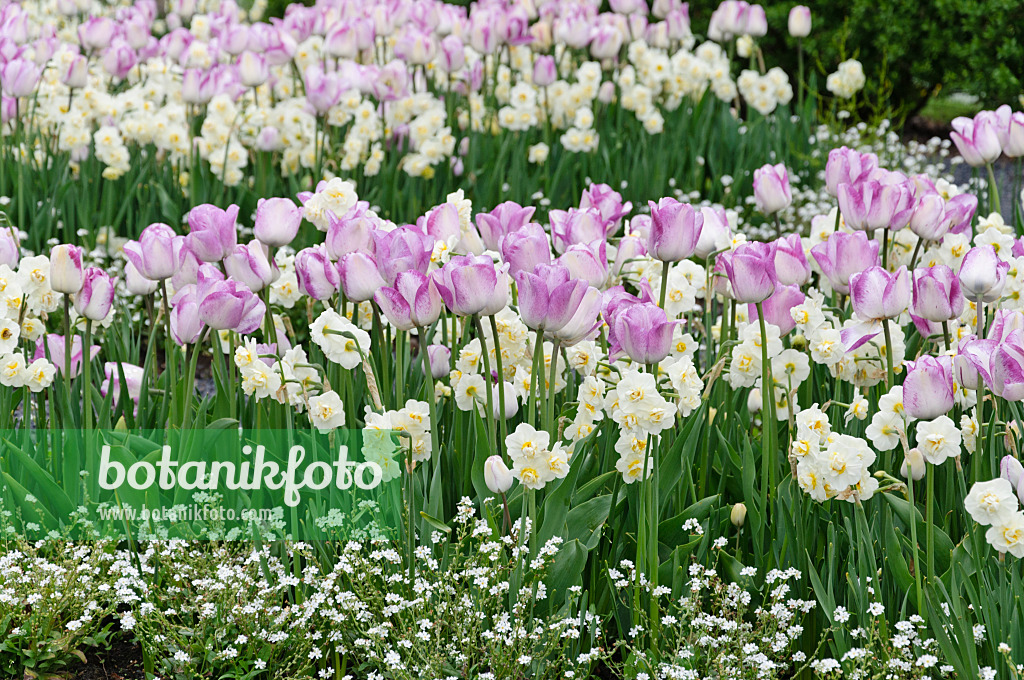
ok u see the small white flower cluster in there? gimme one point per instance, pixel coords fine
(847, 80)
(765, 92)
(994, 504)
(534, 461)
(828, 464)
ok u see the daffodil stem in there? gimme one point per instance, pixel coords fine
(993, 189)
(767, 415)
(930, 522)
(913, 534)
(503, 426)
(489, 388)
(890, 374)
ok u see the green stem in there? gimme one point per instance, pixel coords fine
(487, 380)
(993, 190)
(930, 523)
(913, 537)
(501, 387)
(767, 415)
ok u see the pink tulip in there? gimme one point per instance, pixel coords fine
(675, 230)
(843, 255)
(587, 261)
(879, 294)
(360, 276)
(351, 232)
(1004, 322)
(771, 189)
(277, 221)
(525, 248)
(186, 326)
(1012, 471)
(253, 69)
(977, 139)
(249, 264)
(96, 296)
(471, 284)
(157, 253)
(800, 21)
(872, 204)
(545, 72)
(453, 54)
(225, 304)
(715, 235)
(548, 296)
(53, 348)
(608, 204)
(317, 276)
(439, 358)
(937, 294)
(928, 387)
(751, 271)
(791, 266)
(76, 74)
(119, 59)
(67, 273)
(1006, 366)
(575, 226)
(414, 301)
(112, 384)
(643, 332)
(778, 307)
(19, 77)
(983, 274)
(402, 249)
(136, 283)
(323, 90)
(504, 219)
(973, 361)
(212, 233)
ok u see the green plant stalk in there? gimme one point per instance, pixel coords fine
(501, 387)
(930, 522)
(993, 190)
(538, 364)
(549, 407)
(170, 359)
(768, 415)
(431, 401)
(913, 528)
(890, 373)
(489, 389)
(67, 343)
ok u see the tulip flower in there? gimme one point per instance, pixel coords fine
(936, 294)
(317, 276)
(1006, 366)
(715, 234)
(471, 284)
(545, 71)
(360, 276)
(1014, 145)
(928, 387)
(777, 308)
(157, 253)
(186, 326)
(439, 358)
(800, 21)
(871, 204)
(19, 77)
(1012, 471)
(453, 54)
(976, 138)
(879, 294)
(771, 189)
(67, 273)
(323, 90)
(504, 219)
(583, 321)
(548, 296)
(791, 266)
(352, 231)
(225, 304)
(843, 255)
(497, 476)
(973, 360)
(212, 234)
(136, 283)
(846, 166)
(675, 230)
(132, 376)
(249, 264)
(277, 221)
(983, 274)
(96, 296)
(643, 332)
(575, 226)
(413, 302)
(587, 261)
(53, 347)
(401, 249)
(751, 271)
(525, 248)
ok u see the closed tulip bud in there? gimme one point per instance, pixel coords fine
(872, 204)
(511, 403)
(738, 515)
(771, 189)
(225, 304)
(96, 296)
(928, 220)
(453, 54)
(526, 248)
(342, 41)
(913, 465)
(777, 308)
(843, 255)
(928, 387)
(413, 302)
(96, 33)
(504, 219)
(186, 326)
(800, 21)
(1012, 471)
(545, 72)
(757, 22)
(846, 166)
(973, 361)
(402, 249)
(277, 221)
(751, 271)
(879, 294)
(675, 230)
(1007, 367)
(67, 273)
(1014, 146)
(19, 77)
(983, 274)
(253, 69)
(497, 476)
(317, 275)
(643, 332)
(212, 233)
(937, 294)
(715, 234)
(250, 265)
(977, 138)
(360, 277)
(9, 249)
(791, 262)
(157, 252)
(754, 401)
(439, 357)
(76, 74)
(136, 283)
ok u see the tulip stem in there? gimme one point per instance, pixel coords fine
(67, 343)
(930, 521)
(664, 285)
(501, 388)
(767, 415)
(945, 335)
(993, 190)
(913, 524)
(421, 333)
(917, 251)
(890, 374)
(487, 380)
(169, 351)
(550, 406)
(885, 248)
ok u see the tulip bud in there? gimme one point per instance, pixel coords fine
(675, 230)
(544, 71)
(76, 75)
(136, 283)
(439, 357)
(771, 188)
(800, 21)
(914, 460)
(754, 401)
(983, 274)
(277, 221)
(511, 403)
(96, 296)
(738, 515)
(497, 476)
(928, 387)
(66, 271)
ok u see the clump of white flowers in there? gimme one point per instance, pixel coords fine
(847, 80)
